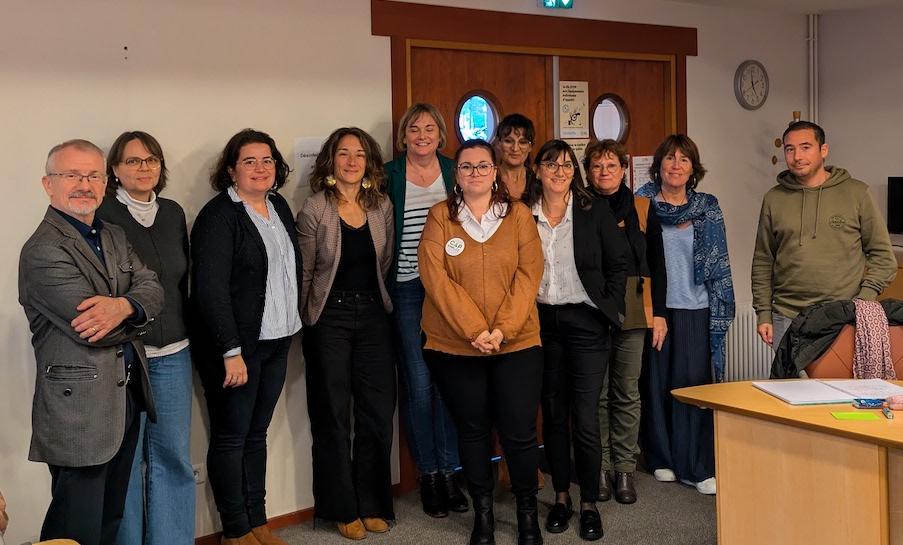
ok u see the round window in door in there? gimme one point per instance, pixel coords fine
(476, 117)
(610, 119)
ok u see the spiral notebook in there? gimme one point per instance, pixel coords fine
(823, 392)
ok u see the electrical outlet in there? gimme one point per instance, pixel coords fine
(200, 473)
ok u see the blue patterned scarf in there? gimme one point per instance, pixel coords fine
(711, 264)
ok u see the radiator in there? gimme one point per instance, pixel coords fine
(748, 358)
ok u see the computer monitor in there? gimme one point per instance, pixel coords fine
(895, 204)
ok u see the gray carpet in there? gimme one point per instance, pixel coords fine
(665, 514)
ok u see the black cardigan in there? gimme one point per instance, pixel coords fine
(229, 275)
(163, 247)
(600, 254)
(648, 257)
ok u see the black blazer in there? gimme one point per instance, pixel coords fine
(600, 253)
(229, 276)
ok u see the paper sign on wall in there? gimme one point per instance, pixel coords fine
(573, 109)
(305, 154)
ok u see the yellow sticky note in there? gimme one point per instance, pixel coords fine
(855, 415)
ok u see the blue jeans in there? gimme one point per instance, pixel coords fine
(431, 434)
(159, 508)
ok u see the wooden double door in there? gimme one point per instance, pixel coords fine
(526, 82)
(441, 54)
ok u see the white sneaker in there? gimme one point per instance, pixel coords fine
(706, 487)
(664, 475)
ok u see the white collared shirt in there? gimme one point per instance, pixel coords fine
(280, 313)
(560, 284)
(481, 230)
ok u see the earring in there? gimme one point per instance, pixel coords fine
(330, 180)
(366, 183)
(495, 187)
(457, 189)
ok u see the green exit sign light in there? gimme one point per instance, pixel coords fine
(557, 4)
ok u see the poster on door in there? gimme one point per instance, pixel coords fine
(640, 165)
(573, 109)
(579, 147)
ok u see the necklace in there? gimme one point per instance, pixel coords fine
(420, 172)
(680, 202)
(553, 219)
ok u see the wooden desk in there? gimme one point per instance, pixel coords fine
(796, 476)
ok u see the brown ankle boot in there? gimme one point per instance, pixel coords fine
(247, 539)
(375, 524)
(266, 537)
(352, 530)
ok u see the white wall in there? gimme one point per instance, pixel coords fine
(861, 106)
(197, 71)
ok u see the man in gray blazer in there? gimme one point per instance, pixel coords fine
(88, 298)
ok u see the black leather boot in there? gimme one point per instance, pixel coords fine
(528, 532)
(605, 483)
(483, 521)
(457, 501)
(625, 492)
(433, 495)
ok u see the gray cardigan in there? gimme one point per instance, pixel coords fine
(320, 239)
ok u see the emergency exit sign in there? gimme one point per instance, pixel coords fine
(556, 4)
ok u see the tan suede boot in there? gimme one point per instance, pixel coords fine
(353, 530)
(266, 537)
(375, 524)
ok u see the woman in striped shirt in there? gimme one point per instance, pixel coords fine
(418, 179)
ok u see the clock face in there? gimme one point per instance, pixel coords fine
(751, 85)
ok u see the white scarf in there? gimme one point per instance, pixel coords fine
(143, 212)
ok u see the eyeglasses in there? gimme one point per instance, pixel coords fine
(75, 177)
(553, 167)
(152, 162)
(467, 169)
(268, 163)
(518, 143)
(610, 168)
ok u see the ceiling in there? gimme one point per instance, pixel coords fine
(799, 6)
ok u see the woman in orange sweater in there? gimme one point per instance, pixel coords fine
(481, 263)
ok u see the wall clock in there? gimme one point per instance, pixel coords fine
(751, 84)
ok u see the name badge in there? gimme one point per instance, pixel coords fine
(454, 246)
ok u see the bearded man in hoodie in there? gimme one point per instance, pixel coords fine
(820, 237)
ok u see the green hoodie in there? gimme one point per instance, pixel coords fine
(825, 243)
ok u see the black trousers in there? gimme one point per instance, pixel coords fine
(675, 435)
(87, 502)
(575, 341)
(350, 362)
(485, 391)
(239, 418)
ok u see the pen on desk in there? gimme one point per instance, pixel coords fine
(888, 414)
